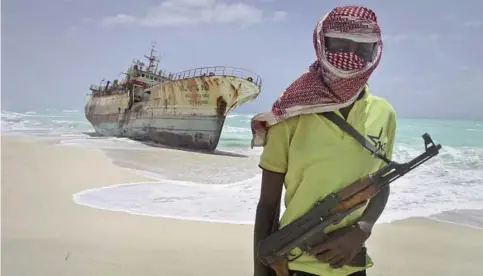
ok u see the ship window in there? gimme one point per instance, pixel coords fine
(142, 75)
(156, 79)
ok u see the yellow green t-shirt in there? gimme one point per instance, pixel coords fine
(319, 158)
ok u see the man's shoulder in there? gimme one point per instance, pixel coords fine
(283, 128)
(289, 122)
(381, 104)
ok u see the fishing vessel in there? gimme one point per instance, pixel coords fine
(183, 110)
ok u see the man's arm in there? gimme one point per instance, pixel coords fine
(378, 203)
(274, 165)
(267, 214)
(373, 211)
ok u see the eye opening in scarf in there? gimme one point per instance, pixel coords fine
(366, 51)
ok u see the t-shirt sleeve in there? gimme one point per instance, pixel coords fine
(275, 152)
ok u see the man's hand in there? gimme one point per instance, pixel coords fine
(343, 244)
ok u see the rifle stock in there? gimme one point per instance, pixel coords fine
(308, 230)
(355, 194)
(281, 268)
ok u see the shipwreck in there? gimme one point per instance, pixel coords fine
(182, 110)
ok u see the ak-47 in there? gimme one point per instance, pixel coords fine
(308, 231)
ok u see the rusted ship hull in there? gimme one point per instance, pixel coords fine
(192, 132)
(186, 113)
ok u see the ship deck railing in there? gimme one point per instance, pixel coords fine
(198, 72)
(217, 71)
(95, 87)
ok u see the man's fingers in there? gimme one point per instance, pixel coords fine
(322, 247)
(327, 255)
(345, 259)
(335, 258)
(340, 262)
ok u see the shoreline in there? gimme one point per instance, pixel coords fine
(449, 216)
(44, 232)
(466, 217)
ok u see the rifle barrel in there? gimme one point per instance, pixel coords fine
(402, 169)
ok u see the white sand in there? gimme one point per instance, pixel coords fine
(45, 233)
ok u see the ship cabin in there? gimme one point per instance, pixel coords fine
(136, 77)
(146, 78)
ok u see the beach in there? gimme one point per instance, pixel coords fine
(45, 232)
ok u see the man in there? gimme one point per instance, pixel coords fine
(314, 157)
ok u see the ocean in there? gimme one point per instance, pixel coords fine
(224, 187)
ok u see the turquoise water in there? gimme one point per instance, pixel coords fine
(455, 133)
(451, 181)
(236, 133)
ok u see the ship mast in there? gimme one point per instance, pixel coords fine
(152, 59)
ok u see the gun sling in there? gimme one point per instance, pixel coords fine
(345, 126)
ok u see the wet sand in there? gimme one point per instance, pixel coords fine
(44, 232)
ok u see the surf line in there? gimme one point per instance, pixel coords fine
(77, 198)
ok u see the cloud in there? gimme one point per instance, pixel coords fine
(474, 24)
(174, 13)
(279, 16)
(396, 37)
(434, 36)
(119, 18)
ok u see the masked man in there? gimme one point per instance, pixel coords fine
(313, 157)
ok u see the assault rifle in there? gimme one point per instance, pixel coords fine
(308, 231)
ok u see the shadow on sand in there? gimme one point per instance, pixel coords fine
(156, 145)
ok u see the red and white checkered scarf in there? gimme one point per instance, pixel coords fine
(335, 79)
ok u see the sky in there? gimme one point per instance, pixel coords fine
(52, 50)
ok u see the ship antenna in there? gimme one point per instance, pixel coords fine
(157, 65)
(151, 57)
